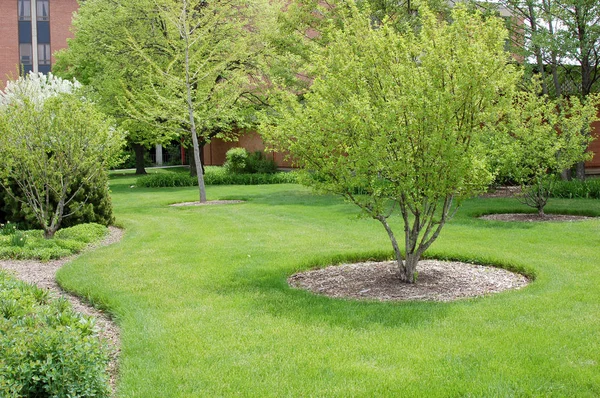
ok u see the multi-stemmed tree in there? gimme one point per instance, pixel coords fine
(392, 121)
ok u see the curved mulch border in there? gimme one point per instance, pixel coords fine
(43, 275)
(437, 281)
(208, 203)
(532, 217)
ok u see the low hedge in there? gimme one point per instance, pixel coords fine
(586, 189)
(214, 177)
(47, 349)
(31, 244)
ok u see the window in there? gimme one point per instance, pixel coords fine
(26, 54)
(24, 10)
(44, 54)
(43, 10)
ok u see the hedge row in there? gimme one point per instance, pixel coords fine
(586, 189)
(214, 177)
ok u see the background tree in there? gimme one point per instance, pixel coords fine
(561, 40)
(203, 87)
(393, 120)
(539, 138)
(52, 144)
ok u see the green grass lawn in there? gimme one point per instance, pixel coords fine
(201, 296)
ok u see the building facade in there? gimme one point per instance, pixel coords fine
(30, 32)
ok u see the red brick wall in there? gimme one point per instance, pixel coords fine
(61, 13)
(9, 41)
(214, 153)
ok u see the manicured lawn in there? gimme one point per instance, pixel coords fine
(202, 300)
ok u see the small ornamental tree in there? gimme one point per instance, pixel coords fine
(51, 146)
(542, 138)
(392, 121)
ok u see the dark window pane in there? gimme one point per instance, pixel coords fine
(24, 32)
(43, 31)
(45, 69)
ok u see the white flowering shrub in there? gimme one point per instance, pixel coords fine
(36, 88)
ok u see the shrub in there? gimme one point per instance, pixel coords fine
(92, 204)
(66, 241)
(214, 176)
(587, 189)
(236, 160)
(258, 163)
(8, 228)
(47, 349)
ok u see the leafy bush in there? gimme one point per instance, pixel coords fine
(258, 163)
(66, 241)
(48, 350)
(236, 160)
(587, 189)
(8, 228)
(92, 204)
(18, 239)
(214, 176)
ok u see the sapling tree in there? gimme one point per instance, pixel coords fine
(52, 142)
(393, 120)
(540, 138)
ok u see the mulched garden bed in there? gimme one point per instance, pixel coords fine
(437, 281)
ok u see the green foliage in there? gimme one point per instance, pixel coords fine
(91, 204)
(66, 241)
(586, 189)
(239, 161)
(236, 160)
(399, 116)
(8, 228)
(215, 176)
(47, 349)
(56, 148)
(539, 138)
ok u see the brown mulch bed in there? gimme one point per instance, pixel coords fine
(43, 274)
(437, 281)
(208, 203)
(533, 217)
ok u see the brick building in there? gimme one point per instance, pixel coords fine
(32, 30)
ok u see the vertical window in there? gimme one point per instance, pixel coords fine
(26, 54)
(24, 10)
(44, 54)
(43, 10)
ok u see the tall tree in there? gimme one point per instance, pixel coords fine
(204, 81)
(393, 120)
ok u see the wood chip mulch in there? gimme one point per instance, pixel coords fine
(533, 217)
(437, 281)
(43, 274)
(207, 203)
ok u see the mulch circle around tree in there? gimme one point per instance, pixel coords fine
(207, 203)
(533, 217)
(437, 281)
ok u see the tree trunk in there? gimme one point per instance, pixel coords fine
(406, 268)
(139, 159)
(580, 173)
(193, 170)
(541, 212)
(410, 268)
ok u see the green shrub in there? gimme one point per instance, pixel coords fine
(214, 176)
(66, 241)
(236, 160)
(587, 189)
(258, 163)
(48, 350)
(92, 204)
